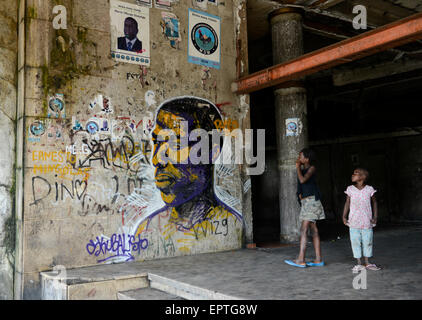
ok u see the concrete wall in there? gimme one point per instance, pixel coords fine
(8, 80)
(102, 205)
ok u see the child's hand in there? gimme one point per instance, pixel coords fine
(298, 164)
(346, 223)
(374, 221)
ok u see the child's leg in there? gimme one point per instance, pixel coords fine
(367, 240)
(356, 241)
(317, 242)
(303, 239)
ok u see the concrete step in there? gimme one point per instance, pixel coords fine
(185, 290)
(146, 294)
(91, 283)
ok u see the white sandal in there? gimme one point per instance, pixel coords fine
(358, 268)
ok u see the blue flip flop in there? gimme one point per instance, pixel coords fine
(292, 263)
(312, 264)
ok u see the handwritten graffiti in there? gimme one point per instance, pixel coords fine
(119, 245)
(91, 205)
(109, 154)
(41, 189)
(215, 227)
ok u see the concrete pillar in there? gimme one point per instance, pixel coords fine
(290, 103)
(8, 94)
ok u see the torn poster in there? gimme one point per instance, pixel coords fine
(202, 4)
(56, 106)
(170, 25)
(163, 4)
(145, 3)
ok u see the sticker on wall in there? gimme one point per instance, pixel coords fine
(129, 33)
(56, 106)
(92, 126)
(106, 106)
(293, 127)
(54, 133)
(150, 98)
(202, 4)
(163, 4)
(37, 128)
(76, 124)
(170, 26)
(103, 103)
(213, 2)
(204, 39)
(145, 3)
(104, 126)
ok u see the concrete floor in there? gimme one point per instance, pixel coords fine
(262, 274)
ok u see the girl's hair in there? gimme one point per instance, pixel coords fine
(309, 154)
(365, 173)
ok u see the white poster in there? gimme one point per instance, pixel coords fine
(293, 127)
(129, 33)
(204, 46)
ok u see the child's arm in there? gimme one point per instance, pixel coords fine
(374, 209)
(303, 178)
(346, 210)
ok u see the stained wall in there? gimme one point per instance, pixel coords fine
(8, 96)
(89, 189)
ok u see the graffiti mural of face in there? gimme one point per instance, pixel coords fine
(177, 182)
(186, 185)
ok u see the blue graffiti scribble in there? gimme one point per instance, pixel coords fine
(120, 245)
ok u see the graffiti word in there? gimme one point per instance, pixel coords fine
(54, 156)
(360, 21)
(62, 171)
(105, 152)
(226, 124)
(40, 186)
(215, 227)
(89, 204)
(72, 149)
(120, 245)
(133, 76)
(60, 21)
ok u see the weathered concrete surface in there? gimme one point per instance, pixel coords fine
(8, 67)
(262, 274)
(67, 214)
(59, 285)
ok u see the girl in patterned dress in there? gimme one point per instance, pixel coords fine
(363, 212)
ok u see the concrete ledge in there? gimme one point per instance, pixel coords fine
(146, 294)
(185, 290)
(95, 283)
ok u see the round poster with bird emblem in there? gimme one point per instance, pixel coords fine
(204, 38)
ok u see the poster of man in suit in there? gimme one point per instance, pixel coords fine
(129, 33)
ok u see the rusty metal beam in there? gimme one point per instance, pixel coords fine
(380, 39)
(325, 4)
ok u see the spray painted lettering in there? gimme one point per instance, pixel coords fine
(119, 245)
